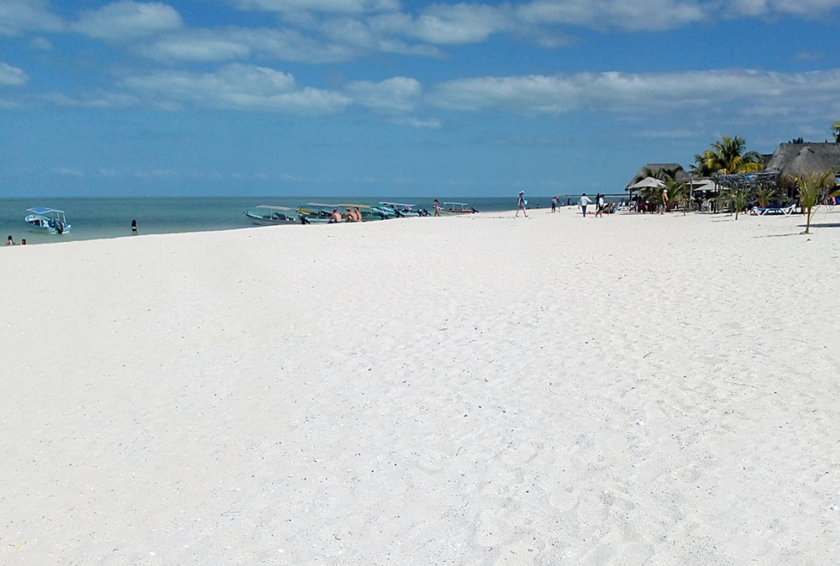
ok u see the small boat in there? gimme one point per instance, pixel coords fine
(457, 208)
(269, 215)
(49, 220)
(405, 209)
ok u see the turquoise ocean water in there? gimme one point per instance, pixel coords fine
(97, 218)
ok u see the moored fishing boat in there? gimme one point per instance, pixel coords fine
(457, 208)
(269, 215)
(401, 209)
(50, 220)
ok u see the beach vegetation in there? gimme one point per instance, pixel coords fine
(814, 189)
(674, 189)
(733, 199)
(677, 194)
(763, 196)
(727, 156)
(835, 128)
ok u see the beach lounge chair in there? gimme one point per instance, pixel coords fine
(786, 210)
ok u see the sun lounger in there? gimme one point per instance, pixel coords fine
(786, 210)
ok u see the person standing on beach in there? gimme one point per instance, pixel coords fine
(664, 201)
(520, 204)
(133, 227)
(554, 203)
(599, 205)
(10, 241)
(437, 207)
(584, 200)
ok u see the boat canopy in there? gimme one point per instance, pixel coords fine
(338, 205)
(43, 210)
(273, 207)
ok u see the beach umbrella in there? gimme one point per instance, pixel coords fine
(647, 182)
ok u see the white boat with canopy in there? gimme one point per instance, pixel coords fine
(50, 220)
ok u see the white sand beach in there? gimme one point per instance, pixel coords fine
(632, 390)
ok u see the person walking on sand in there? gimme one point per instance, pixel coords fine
(133, 227)
(599, 205)
(584, 200)
(664, 201)
(554, 203)
(520, 204)
(437, 207)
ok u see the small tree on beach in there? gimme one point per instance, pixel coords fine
(835, 128)
(763, 196)
(677, 193)
(814, 188)
(734, 199)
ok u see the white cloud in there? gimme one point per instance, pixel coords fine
(446, 24)
(614, 14)
(801, 8)
(649, 93)
(394, 95)
(201, 46)
(239, 87)
(419, 123)
(128, 20)
(12, 76)
(339, 6)
(20, 16)
(92, 100)
(242, 43)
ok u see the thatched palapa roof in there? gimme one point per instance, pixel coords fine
(792, 159)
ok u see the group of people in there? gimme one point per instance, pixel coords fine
(11, 241)
(599, 204)
(352, 215)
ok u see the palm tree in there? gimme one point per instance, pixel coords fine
(763, 196)
(677, 192)
(814, 188)
(727, 156)
(736, 199)
(662, 174)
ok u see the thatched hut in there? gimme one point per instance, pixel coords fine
(793, 160)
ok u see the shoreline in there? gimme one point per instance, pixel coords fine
(635, 389)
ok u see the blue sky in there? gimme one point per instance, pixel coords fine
(383, 97)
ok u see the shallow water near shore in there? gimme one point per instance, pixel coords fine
(98, 218)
